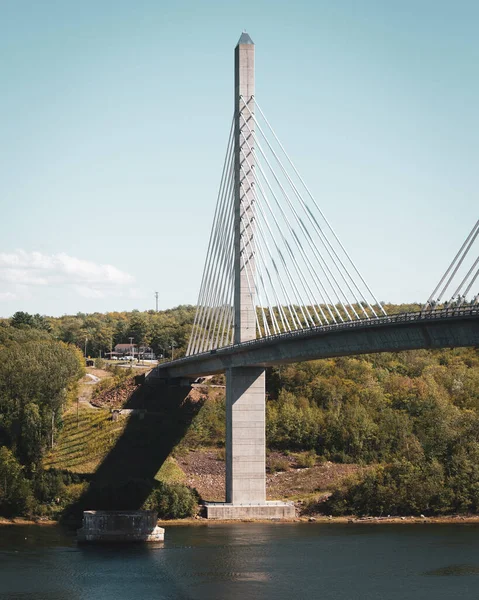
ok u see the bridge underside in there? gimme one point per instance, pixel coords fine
(462, 331)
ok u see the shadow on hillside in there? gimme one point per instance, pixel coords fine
(126, 476)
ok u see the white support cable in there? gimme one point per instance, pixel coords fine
(472, 281)
(310, 293)
(291, 307)
(229, 328)
(319, 230)
(251, 293)
(242, 256)
(296, 323)
(313, 246)
(431, 297)
(249, 241)
(320, 211)
(206, 313)
(311, 272)
(259, 266)
(227, 299)
(283, 260)
(225, 232)
(203, 281)
(210, 286)
(228, 247)
(223, 265)
(473, 235)
(228, 307)
(258, 223)
(298, 296)
(256, 267)
(281, 312)
(458, 290)
(229, 283)
(213, 239)
(284, 237)
(231, 324)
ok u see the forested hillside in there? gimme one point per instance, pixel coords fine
(410, 419)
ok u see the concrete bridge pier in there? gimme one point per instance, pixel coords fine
(246, 451)
(245, 436)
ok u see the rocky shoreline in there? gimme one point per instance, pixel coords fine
(320, 519)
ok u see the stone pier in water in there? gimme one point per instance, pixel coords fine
(120, 526)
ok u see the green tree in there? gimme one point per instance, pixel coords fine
(15, 493)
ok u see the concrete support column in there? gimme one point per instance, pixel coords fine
(245, 436)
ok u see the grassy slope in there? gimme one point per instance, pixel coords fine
(83, 444)
(132, 447)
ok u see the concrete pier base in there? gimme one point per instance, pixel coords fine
(103, 526)
(268, 510)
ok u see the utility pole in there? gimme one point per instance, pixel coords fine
(156, 297)
(131, 347)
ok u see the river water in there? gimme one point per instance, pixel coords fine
(247, 561)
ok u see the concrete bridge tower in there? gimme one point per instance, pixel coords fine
(245, 386)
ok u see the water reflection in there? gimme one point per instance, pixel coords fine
(246, 560)
(455, 570)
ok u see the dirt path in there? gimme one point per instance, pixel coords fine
(87, 384)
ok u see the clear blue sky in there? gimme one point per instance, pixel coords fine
(114, 117)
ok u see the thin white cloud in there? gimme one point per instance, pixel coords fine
(22, 277)
(88, 279)
(7, 296)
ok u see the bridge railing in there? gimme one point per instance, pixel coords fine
(423, 315)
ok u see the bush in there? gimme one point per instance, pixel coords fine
(174, 501)
(306, 459)
(278, 463)
(401, 488)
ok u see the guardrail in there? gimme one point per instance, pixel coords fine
(423, 315)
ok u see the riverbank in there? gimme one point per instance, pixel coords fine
(325, 519)
(22, 521)
(447, 519)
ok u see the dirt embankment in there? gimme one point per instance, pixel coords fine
(205, 471)
(116, 395)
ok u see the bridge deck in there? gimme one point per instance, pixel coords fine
(445, 328)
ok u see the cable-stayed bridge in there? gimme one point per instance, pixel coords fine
(279, 286)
